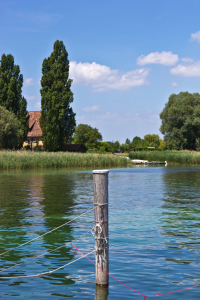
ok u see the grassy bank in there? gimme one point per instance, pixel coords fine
(28, 159)
(182, 157)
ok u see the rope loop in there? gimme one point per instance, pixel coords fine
(100, 204)
(96, 229)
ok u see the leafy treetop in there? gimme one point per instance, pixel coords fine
(11, 82)
(85, 134)
(181, 121)
(11, 134)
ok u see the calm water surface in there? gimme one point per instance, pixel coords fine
(154, 221)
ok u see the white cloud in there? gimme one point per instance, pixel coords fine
(29, 82)
(91, 108)
(175, 84)
(195, 36)
(162, 58)
(187, 60)
(29, 98)
(38, 105)
(187, 71)
(102, 78)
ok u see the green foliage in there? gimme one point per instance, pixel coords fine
(181, 121)
(107, 147)
(85, 134)
(11, 134)
(116, 145)
(183, 157)
(57, 119)
(11, 82)
(32, 159)
(102, 149)
(23, 117)
(127, 141)
(125, 147)
(152, 140)
(162, 145)
(137, 142)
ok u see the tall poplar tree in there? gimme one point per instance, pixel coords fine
(11, 82)
(57, 119)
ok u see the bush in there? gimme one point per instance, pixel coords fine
(10, 133)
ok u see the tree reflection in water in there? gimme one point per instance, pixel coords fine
(181, 214)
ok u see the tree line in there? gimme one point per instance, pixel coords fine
(91, 138)
(180, 118)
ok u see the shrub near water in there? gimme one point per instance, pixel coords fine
(184, 157)
(28, 159)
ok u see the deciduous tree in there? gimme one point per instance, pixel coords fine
(57, 117)
(85, 134)
(152, 140)
(11, 82)
(127, 141)
(11, 134)
(138, 142)
(181, 121)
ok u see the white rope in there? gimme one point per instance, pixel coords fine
(49, 272)
(47, 232)
(47, 252)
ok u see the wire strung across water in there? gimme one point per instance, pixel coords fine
(46, 273)
(47, 232)
(83, 255)
(145, 296)
(47, 252)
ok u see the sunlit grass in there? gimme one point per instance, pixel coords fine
(31, 159)
(183, 157)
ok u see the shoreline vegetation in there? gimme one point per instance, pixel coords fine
(32, 160)
(172, 157)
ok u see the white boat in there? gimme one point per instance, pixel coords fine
(139, 161)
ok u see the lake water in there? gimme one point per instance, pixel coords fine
(154, 227)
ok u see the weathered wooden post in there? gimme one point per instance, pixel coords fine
(100, 182)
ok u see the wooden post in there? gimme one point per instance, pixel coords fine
(100, 182)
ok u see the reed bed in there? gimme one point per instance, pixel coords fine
(29, 159)
(181, 157)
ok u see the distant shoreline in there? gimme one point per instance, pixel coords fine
(171, 156)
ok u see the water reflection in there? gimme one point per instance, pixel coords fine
(31, 204)
(181, 215)
(101, 292)
(13, 209)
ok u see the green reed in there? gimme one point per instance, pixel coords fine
(182, 157)
(31, 159)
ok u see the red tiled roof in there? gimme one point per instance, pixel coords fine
(34, 124)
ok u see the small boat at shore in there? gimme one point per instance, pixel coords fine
(139, 161)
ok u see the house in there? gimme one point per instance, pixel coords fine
(34, 136)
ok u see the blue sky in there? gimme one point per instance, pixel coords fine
(126, 57)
